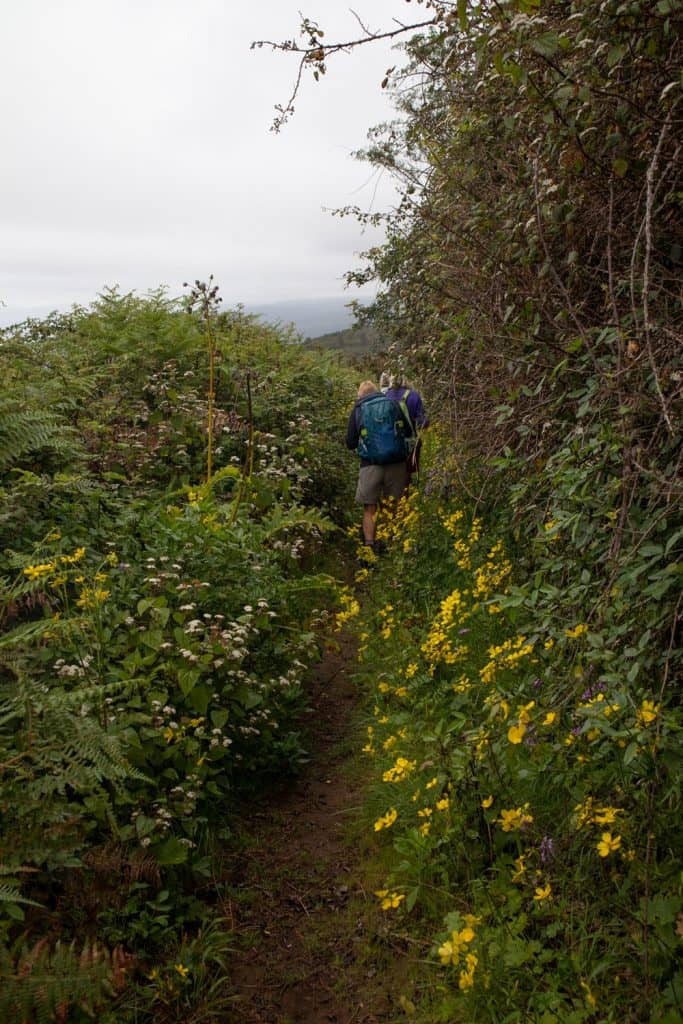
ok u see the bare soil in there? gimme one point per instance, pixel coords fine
(302, 956)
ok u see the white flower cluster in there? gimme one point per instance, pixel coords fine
(78, 670)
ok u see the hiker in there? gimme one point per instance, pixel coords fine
(379, 428)
(393, 385)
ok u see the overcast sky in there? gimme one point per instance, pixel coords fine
(137, 150)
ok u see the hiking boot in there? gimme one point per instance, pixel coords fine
(380, 547)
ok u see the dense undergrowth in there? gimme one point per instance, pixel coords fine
(524, 742)
(156, 628)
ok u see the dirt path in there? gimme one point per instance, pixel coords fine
(298, 962)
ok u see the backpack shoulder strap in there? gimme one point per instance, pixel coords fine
(403, 405)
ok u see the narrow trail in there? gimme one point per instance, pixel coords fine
(295, 964)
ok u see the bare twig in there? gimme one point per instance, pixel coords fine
(316, 52)
(647, 325)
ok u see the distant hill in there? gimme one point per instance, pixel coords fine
(355, 342)
(310, 317)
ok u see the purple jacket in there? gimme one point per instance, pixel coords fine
(413, 400)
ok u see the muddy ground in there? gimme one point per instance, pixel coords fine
(300, 911)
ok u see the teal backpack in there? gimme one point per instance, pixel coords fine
(386, 432)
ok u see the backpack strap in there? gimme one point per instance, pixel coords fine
(403, 403)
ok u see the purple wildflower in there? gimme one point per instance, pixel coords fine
(547, 849)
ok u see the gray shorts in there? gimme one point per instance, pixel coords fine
(376, 482)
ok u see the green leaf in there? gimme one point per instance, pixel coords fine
(615, 54)
(171, 851)
(462, 14)
(411, 897)
(152, 638)
(144, 826)
(187, 680)
(546, 44)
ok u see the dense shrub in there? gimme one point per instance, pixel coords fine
(156, 626)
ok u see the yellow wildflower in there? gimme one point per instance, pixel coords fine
(647, 713)
(91, 597)
(34, 572)
(608, 844)
(577, 631)
(72, 559)
(506, 655)
(517, 817)
(451, 950)
(516, 733)
(487, 802)
(387, 820)
(520, 869)
(543, 893)
(466, 979)
(390, 900)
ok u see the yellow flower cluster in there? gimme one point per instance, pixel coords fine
(543, 893)
(588, 813)
(438, 647)
(92, 597)
(401, 769)
(647, 713)
(506, 655)
(490, 577)
(453, 949)
(608, 844)
(34, 572)
(390, 900)
(515, 818)
(387, 820)
(387, 621)
(516, 732)
(369, 746)
(452, 522)
(576, 631)
(350, 608)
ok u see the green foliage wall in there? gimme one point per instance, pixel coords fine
(155, 628)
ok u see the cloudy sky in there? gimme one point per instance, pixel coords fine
(137, 150)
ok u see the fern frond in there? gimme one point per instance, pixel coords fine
(27, 431)
(10, 894)
(43, 982)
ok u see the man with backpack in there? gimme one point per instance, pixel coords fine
(393, 385)
(380, 429)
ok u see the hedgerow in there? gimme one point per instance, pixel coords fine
(156, 628)
(524, 742)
